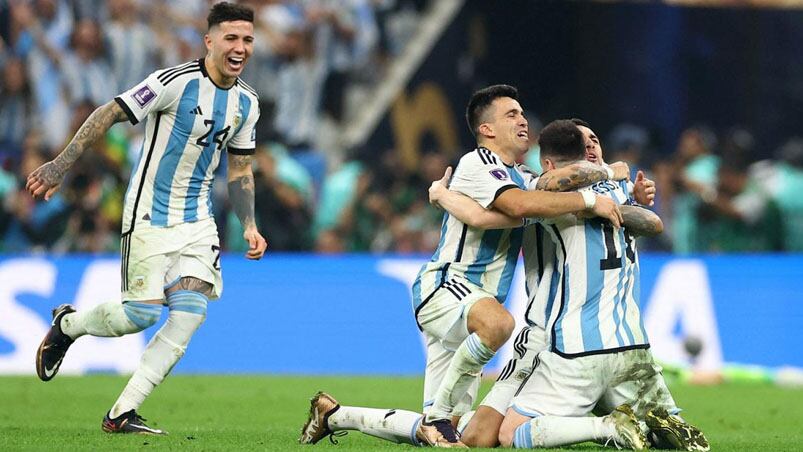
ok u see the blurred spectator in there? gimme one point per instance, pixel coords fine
(43, 30)
(284, 193)
(628, 143)
(692, 174)
(85, 68)
(33, 225)
(783, 178)
(741, 216)
(17, 111)
(132, 44)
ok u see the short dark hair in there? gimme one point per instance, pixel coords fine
(562, 141)
(226, 12)
(482, 99)
(580, 122)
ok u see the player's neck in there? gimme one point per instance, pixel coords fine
(217, 78)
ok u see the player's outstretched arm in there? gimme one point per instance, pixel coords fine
(542, 204)
(640, 221)
(241, 196)
(45, 180)
(466, 209)
(581, 174)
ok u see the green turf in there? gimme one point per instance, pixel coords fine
(265, 413)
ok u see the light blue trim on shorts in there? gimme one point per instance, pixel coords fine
(524, 412)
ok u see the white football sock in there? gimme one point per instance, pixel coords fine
(555, 431)
(397, 426)
(163, 351)
(466, 364)
(111, 319)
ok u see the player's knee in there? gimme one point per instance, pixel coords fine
(142, 315)
(474, 437)
(506, 325)
(501, 329)
(492, 323)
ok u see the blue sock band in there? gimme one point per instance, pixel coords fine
(478, 350)
(187, 301)
(143, 315)
(522, 438)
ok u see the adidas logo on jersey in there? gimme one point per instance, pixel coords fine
(197, 110)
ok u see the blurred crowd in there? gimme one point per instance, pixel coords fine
(718, 191)
(60, 59)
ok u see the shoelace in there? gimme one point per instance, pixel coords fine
(445, 428)
(338, 433)
(139, 418)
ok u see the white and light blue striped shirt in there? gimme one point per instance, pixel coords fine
(588, 295)
(486, 258)
(190, 122)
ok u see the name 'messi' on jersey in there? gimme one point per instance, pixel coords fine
(486, 258)
(190, 122)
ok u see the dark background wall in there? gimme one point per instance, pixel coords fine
(651, 64)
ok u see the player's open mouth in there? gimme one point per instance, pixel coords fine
(523, 134)
(591, 157)
(235, 63)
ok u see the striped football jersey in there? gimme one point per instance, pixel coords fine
(190, 123)
(486, 258)
(588, 293)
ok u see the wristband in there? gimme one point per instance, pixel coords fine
(590, 198)
(609, 170)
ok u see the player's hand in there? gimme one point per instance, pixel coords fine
(606, 208)
(256, 244)
(438, 188)
(44, 181)
(644, 190)
(621, 170)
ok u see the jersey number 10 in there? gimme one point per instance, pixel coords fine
(612, 261)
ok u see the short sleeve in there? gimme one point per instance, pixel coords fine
(145, 97)
(244, 140)
(482, 177)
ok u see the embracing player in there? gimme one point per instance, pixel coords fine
(457, 296)
(597, 356)
(195, 113)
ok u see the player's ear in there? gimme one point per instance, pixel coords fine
(208, 41)
(485, 129)
(547, 164)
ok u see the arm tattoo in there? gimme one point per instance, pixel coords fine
(571, 177)
(241, 191)
(640, 221)
(95, 127)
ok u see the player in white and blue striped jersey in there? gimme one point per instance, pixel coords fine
(457, 295)
(597, 356)
(477, 266)
(481, 428)
(195, 114)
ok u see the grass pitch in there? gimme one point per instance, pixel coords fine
(266, 413)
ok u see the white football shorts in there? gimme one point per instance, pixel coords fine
(155, 258)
